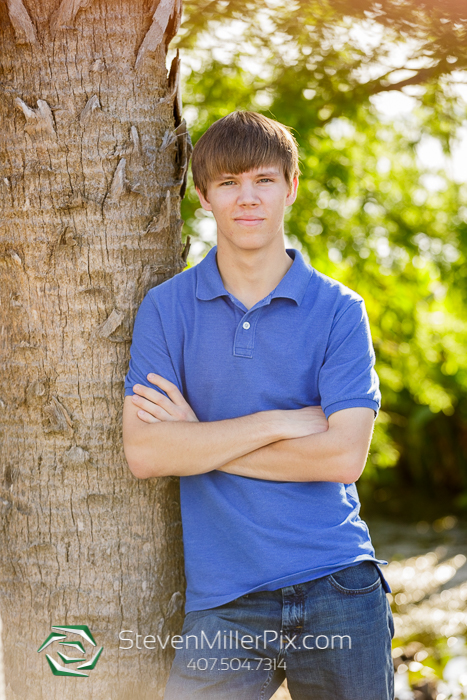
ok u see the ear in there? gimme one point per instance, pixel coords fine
(203, 201)
(292, 196)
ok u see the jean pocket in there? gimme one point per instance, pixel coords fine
(357, 580)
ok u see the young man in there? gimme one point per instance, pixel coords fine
(252, 378)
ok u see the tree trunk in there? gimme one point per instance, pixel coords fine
(93, 156)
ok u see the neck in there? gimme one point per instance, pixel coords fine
(250, 275)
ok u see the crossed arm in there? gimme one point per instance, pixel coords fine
(162, 436)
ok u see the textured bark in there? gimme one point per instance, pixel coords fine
(93, 157)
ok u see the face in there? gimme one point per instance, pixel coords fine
(249, 207)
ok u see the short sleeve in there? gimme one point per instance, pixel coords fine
(149, 352)
(347, 378)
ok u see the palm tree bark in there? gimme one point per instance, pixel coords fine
(93, 157)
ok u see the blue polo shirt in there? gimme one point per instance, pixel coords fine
(307, 343)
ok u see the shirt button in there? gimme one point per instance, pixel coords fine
(246, 325)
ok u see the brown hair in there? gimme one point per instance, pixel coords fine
(240, 142)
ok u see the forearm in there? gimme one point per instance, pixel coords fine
(184, 448)
(162, 435)
(326, 456)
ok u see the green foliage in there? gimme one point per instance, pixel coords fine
(367, 214)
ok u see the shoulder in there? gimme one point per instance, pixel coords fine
(180, 287)
(165, 302)
(334, 289)
(334, 295)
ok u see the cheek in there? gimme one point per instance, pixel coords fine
(223, 205)
(278, 204)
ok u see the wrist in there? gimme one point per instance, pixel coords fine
(276, 425)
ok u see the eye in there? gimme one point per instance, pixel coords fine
(227, 182)
(266, 179)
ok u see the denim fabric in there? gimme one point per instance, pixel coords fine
(260, 638)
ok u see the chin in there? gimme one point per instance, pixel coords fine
(250, 242)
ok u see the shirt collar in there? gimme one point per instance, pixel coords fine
(292, 286)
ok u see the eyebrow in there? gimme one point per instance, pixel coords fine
(266, 173)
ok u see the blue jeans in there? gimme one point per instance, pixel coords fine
(331, 639)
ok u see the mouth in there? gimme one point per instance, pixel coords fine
(248, 220)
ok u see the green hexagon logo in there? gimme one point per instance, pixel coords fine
(71, 646)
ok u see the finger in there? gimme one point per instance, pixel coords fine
(316, 409)
(172, 391)
(154, 396)
(152, 408)
(147, 417)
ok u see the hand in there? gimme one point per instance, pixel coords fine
(155, 407)
(301, 422)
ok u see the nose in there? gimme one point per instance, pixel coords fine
(247, 195)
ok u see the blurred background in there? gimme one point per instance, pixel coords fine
(376, 96)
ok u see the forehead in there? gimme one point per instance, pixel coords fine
(265, 171)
